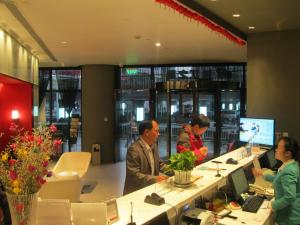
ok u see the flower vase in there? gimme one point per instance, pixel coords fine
(22, 208)
(182, 177)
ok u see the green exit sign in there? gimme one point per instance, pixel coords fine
(131, 71)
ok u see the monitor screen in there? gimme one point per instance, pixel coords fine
(260, 131)
(239, 182)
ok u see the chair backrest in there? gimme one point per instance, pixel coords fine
(60, 188)
(73, 162)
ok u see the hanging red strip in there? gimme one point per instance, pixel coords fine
(201, 19)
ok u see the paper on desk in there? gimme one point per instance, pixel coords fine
(209, 168)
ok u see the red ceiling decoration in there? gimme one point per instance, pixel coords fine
(201, 19)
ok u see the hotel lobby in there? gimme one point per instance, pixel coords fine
(98, 69)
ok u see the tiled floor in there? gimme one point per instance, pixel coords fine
(110, 182)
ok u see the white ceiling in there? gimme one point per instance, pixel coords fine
(120, 32)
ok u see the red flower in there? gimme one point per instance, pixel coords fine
(13, 175)
(30, 138)
(39, 140)
(40, 180)
(57, 143)
(31, 168)
(19, 207)
(53, 128)
(45, 163)
(13, 146)
(12, 162)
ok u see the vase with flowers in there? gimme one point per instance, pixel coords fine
(23, 167)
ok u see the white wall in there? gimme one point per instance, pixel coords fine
(16, 61)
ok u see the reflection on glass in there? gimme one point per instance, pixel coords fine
(203, 110)
(229, 119)
(139, 114)
(136, 78)
(132, 106)
(182, 114)
(162, 117)
(206, 106)
(62, 88)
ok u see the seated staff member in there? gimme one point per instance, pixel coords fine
(286, 183)
(142, 161)
(190, 138)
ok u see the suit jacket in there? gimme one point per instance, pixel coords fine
(286, 185)
(138, 168)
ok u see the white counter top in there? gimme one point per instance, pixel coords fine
(87, 213)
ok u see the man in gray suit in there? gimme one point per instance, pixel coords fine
(142, 161)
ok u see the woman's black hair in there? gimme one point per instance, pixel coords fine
(201, 121)
(291, 145)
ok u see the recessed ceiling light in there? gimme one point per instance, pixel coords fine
(236, 15)
(63, 42)
(157, 44)
(251, 28)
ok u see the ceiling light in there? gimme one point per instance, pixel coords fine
(157, 44)
(236, 15)
(63, 42)
(251, 28)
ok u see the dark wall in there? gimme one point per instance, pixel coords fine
(273, 79)
(98, 103)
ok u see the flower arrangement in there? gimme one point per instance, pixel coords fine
(24, 162)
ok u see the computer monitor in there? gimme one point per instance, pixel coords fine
(238, 182)
(161, 219)
(259, 131)
(268, 160)
(249, 173)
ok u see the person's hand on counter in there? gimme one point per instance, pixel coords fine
(257, 172)
(161, 178)
(204, 150)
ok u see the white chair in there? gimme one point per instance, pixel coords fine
(72, 162)
(68, 187)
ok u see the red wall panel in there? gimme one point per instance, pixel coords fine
(14, 96)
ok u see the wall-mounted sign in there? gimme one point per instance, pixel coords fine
(131, 71)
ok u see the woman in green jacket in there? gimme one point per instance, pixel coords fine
(286, 183)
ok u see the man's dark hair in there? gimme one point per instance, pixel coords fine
(201, 121)
(145, 125)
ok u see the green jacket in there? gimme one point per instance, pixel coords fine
(286, 185)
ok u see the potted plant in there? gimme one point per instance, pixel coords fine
(182, 164)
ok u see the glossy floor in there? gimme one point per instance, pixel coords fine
(110, 180)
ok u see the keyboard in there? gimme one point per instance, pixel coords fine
(252, 203)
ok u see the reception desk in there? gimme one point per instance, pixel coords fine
(176, 198)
